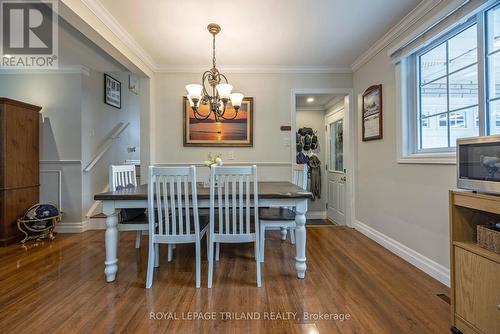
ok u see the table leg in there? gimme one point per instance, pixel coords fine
(111, 242)
(283, 233)
(300, 238)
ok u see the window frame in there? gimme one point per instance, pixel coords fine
(408, 90)
(486, 55)
(415, 63)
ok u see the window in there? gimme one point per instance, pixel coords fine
(493, 67)
(450, 98)
(448, 88)
(425, 123)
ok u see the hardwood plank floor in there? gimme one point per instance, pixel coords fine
(59, 287)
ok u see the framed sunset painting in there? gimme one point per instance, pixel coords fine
(236, 132)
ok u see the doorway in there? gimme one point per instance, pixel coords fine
(335, 171)
(327, 113)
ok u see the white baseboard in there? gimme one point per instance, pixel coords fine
(72, 227)
(432, 268)
(79, 227)
(97, 224)
(316, 215)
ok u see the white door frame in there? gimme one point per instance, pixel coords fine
(350, 138)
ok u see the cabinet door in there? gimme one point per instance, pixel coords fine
(477, 290)
(21, 147)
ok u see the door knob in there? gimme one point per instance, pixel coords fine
(343, 178)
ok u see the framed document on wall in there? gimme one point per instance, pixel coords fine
(371, 115)
(112, 91)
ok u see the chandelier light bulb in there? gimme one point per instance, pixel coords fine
(194, 91)
(236, 99)
(224, 90)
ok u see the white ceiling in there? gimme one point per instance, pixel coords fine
(320, 100)
(287, 33)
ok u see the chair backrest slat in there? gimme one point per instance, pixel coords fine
(122, 176)
(219, 200)
(234, 207)
(186, 206)
(171, 193)
(299, 175)
(226, 200)
(160, 180)
(231, 189)
(248, 202)
(240, 196)
(179, 206)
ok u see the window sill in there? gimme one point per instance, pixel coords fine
(429, 158)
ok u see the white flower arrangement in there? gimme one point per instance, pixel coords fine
(214, 159)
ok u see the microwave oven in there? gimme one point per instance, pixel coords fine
(478, 164)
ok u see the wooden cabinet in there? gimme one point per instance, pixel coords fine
(19, 165)
(475, 271)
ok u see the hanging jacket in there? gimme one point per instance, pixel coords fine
(315, 171)
(301, 158)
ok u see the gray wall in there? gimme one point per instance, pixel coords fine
(272, 108)
(75, 121)
(406, 202)
(98, 122)
(60, 95)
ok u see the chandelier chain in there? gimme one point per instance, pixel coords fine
(213, 51)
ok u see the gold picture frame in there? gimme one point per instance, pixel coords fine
(225, 133)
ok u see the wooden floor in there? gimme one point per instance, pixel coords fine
(59, 287)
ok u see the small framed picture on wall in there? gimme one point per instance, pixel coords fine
(371, 115)
(112, 91)
(133, 84)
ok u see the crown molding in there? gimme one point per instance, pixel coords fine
(121, 33)
(116, 28)
(416, 14)
(254, 69)
(73, 69)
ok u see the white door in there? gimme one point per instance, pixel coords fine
(335, 171)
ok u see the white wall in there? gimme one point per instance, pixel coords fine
(406, 202)
(272, 108)
(315, 119)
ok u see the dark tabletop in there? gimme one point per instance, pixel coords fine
(266, 190)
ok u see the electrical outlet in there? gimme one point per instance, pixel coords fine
(230, 155)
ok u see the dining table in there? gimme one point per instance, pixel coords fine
(270, 194)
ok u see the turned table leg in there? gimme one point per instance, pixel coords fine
(300, 238)
(111, 242)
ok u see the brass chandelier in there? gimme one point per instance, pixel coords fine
(219, 88)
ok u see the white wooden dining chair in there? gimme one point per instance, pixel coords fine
(173, 214)
(284, 218)
(235, 192)
(122, 177)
